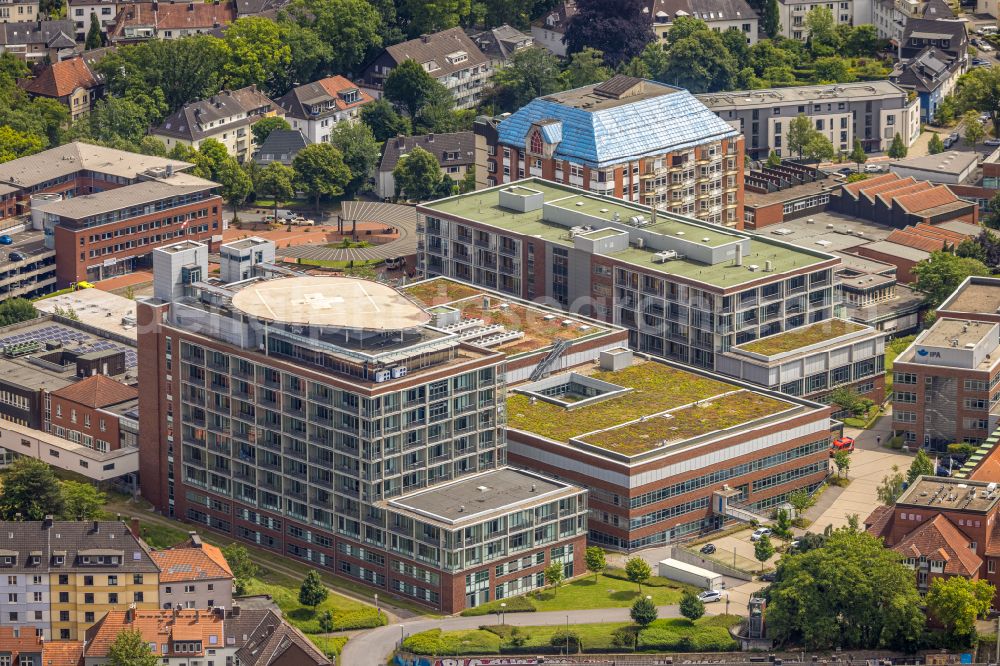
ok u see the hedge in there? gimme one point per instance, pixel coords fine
(514, 605)
(434, 643)
(363, 618)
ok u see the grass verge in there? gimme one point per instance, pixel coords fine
(347, 613)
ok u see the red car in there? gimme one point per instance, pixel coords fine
(842, 444)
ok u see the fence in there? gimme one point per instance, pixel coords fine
(684, 555)
(851, 658)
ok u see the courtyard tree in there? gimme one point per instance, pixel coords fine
(638, 571)
(320, 171)
(891, 487)
(763, 550)
(691, 606)
(922, 465)
(596, 560)
(643, 611)
(130, 649)
(312, 592)
(554, 575)
(956, 602)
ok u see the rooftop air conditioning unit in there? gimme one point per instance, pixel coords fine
(383, 376)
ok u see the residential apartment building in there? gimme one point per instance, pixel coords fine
(39, 41)
(948, 36)
(943, 527)
(685, 289)
(323, 419)
(97, 233)
(19, 11)
(248, 637)
(70, 82)
(455, 152)
(946, 384)
(80, 12)
(501, 43)
(871, 111)
(891, 16)
(139, 21)
(315, 108)
(92, 412)
(450, 56)
(63, 576)
(549, 30)
(792, 15)
(194, 574)
(664, 451)
(226, 117)
(811, 361)
(718, 15)
(932, 74)
(27, 648)
(630, 138)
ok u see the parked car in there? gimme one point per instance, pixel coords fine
(708, 596)
(984, 117)
(6, 240)
(979, 62)
(793, 546)
(768, 577)
(983, 46)
(15, 256)
(991, 142)
(842, 444)
(847, 171)
(951, 139)
(759, 532)
(708, 548)
(302, 221)
(873, 168)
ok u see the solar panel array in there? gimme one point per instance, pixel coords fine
(71, 337)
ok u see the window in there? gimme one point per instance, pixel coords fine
(536, 142)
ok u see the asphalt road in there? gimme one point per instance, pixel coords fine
(373, 647)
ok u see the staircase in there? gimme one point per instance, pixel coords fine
(543, 365)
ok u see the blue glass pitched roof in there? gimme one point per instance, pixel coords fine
(627, 131)
(552, 132)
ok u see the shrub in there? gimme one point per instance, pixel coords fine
(426, 642)
(514, 605)
(624, 637)
(564, 638)
(362, 618)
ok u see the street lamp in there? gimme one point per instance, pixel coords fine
(503, 610)
(401, 636)
(378, 613)
(727, 602)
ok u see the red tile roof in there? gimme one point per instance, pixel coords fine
(97, 391)
(62, 653)
(190, 563)
(54, 653)
(886, 197)
(156, 626)
(911, 239)
(939, 539)
(856, 187)
(62, 78)
(879, 521)
(936, 196)
(888, 187)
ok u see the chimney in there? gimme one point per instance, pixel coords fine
(235, 610)
(425, 38)
(430, 138)
(97, 526)
(190, 6)
(47, 522)
(195, 539)
(130, 614)
(739, 255)
(156, 6)
(133, 527)
(400, 141)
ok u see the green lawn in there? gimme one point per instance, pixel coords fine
(342, 265)
(670, 634)
(331, 646)
(605, 592)
(304, 617)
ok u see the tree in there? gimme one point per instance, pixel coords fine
(81, 500)
(770, 21)
(596, 560)
(643, 611)
(152, 146)
(309, 53)
(275, 180)
(848, 400)
(822, 32)
(939, 275)
(832, 69)
(620, 29)
(921, 465)
(974, 130)
(970, 249)
(979, 90)
(409, 87)
(131, 649)
(800, 500)
(312, 592)
(258, 54)
(530, 73)
(637, 571)
(349, 28)
(935, 145)
(851, 592)
(320, 171)
(383, 120)
(858, 154)
(429, 17)
(94, 38)
(783, 526)
(800, 130)
(326, 622)
(417, 174)
(585, 67)
(263, 128)
(842, 459)
(691, 606)
(863, 41)
(243, 568)
(16, 310)
(236, 184)
(15, 144)
(361, 153)
(30, 490)
(818, 147)
(891, 487)
(554, 574)
(773, 159)
(697, 58)
(956, 602)
(763, 549)
(898, 150)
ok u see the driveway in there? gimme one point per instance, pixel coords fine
(869, 464)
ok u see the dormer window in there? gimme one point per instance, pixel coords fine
(457, 57)
(430, 66)
(350, 96)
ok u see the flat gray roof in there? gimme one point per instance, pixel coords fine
(73, 157)
(951, 162)
(476, 497)
(87, 205)
(814, 232)
(897, 250)
(802, 94)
